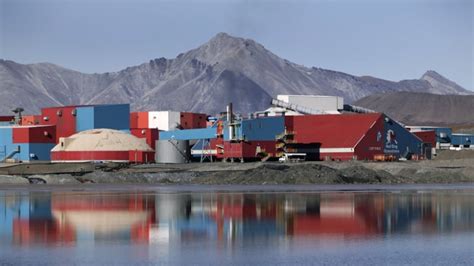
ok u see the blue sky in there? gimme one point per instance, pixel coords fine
(391, 39)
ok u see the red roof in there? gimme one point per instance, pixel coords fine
(333, 131)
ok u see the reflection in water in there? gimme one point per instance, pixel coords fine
(69, 218)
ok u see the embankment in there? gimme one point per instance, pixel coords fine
(441, 170)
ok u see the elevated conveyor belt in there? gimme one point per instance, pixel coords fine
(297, 108)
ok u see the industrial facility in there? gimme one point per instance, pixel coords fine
(293, 128)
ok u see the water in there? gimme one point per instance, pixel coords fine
(365, 225)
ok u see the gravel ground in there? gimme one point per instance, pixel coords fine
(444, 169)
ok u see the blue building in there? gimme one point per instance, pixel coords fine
(462, 140)
(111, 116)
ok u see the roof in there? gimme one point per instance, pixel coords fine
(102, 140)
(333, 131)
(26, 126)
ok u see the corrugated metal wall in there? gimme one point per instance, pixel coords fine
(114, 116)
(462, 139)
(85, 118)
(399, 141)
(265, 128)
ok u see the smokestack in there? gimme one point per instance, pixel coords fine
(230, 121)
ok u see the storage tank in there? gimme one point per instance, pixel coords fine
(172, 151)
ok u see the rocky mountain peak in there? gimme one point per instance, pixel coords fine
(431, 74)
(442, 85)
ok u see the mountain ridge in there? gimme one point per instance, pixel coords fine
(203, 79)
(423, 109)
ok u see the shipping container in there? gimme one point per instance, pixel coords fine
(462, 140)
(193, 120)
(34, 134)
(249, 150)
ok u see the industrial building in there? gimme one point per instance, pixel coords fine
(300, 127)
(26, 143)
(310, 132)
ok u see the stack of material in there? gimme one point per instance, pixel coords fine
(102, 145)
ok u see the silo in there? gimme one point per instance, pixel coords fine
(172, 151)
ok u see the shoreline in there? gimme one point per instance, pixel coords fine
(442, 170)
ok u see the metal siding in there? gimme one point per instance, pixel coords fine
(372, 143)
(339, 156)
(41, 150)
(134, 120)
(150, 134)
(323, 103)
(164, 120)
(189, 134)
(85, 118)
(142, 120)
(192, 120)
(439, 131)
(333, 131)
(6, 136)
(263, 128)
(30, 120)
(65, 124)
(248, 150)
(90, 156)
(237, 131)
(401, 142)
(7, 118)
(427, 136)
(141, 156)
(462, 139)
(116, 116)
(34, 134)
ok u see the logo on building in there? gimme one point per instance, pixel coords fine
(391, 137)
(391, 144)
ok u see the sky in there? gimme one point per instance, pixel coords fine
(390, 39)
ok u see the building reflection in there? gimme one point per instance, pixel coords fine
(69, 218)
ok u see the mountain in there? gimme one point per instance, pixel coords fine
(204, 79)
(423, 108)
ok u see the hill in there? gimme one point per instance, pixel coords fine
(423, 108)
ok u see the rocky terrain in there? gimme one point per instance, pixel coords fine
(423, 108)
(204, 79)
